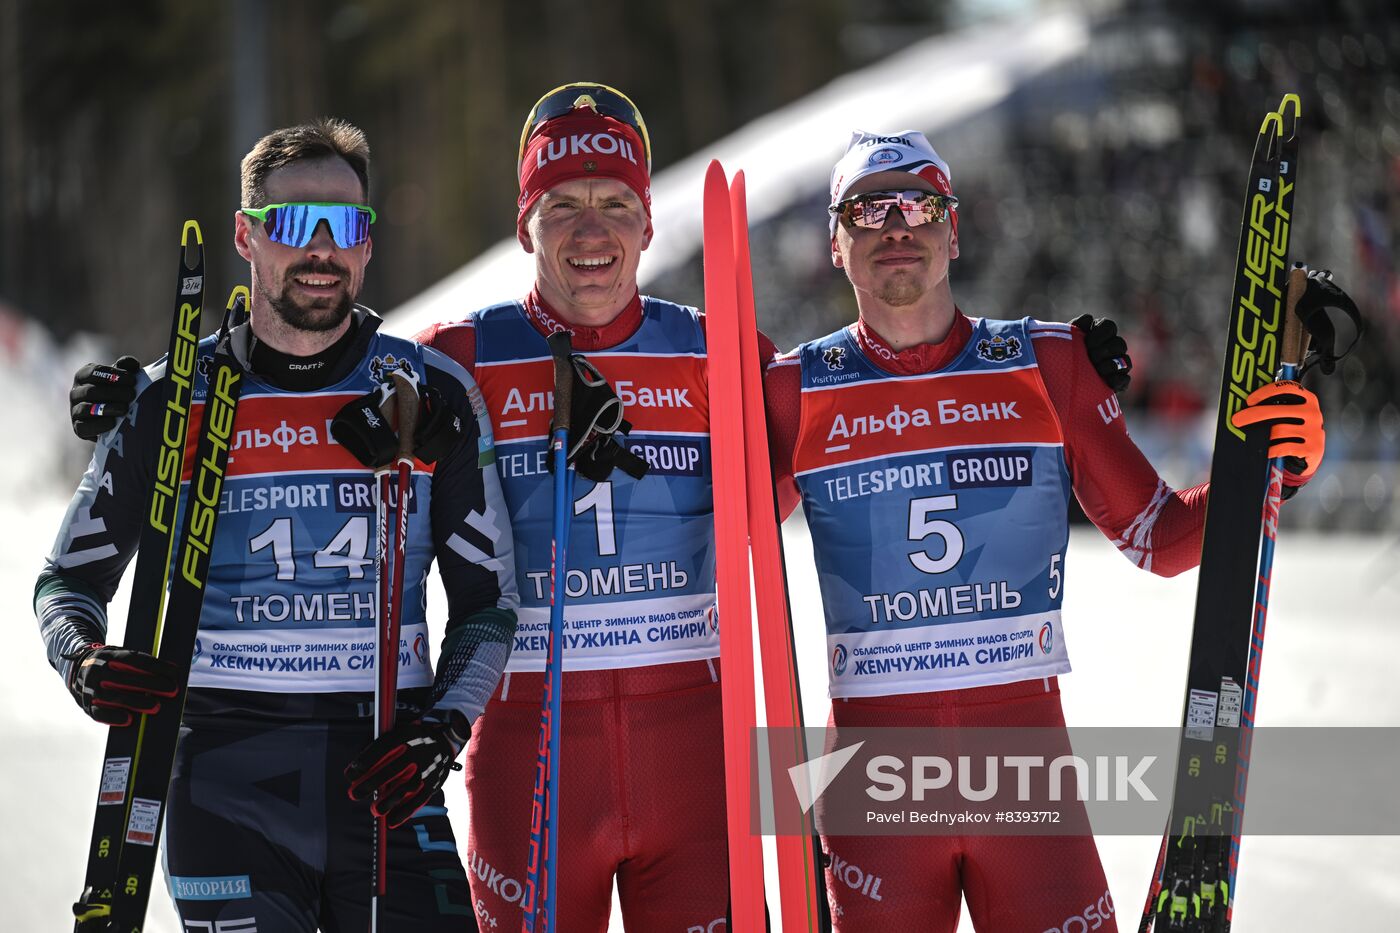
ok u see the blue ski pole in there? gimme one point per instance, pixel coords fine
(1293, 347)
(541, 881)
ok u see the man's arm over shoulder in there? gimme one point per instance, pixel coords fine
(1156, 527)
(474, 549)
(101, 530)
(782, 396)
(454, 339)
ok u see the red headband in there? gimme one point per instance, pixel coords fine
(583, 144)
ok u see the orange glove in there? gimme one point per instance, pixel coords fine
(1296, 430)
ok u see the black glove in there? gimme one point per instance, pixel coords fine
(111, 684)
(595, 421)
(362, 428)
(1108, 352)
(439, 428)
(101, 396)
(406, 765)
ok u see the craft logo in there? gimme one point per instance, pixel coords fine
(380, 367)
(1047, 638)
(420, 648)
(838, 660)
(835, 358)
(884, 157)
(999, 349)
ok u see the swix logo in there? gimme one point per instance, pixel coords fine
(585, 144)
(838, 660)
(380, 367)
(1092, 917)
(1047, 638)
(834, 358)
(999, 349)
(1109, 409)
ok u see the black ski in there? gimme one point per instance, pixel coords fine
(1193, 889)
(151, 781)
(153, 562)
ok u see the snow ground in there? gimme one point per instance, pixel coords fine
(1127, 637)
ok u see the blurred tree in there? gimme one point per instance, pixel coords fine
(120, 120)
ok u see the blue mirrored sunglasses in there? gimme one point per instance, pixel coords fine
(294, 223)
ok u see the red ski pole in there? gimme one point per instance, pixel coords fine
(389, 574)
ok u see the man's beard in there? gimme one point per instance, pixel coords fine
(901, 290)
(322, 314)
(900, 287)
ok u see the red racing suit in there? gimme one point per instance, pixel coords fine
(977, 441)
(641, 772)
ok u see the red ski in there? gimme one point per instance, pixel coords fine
(746, 525)
(731, 554)
(801, 880)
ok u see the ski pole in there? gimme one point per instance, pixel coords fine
(389, 576)
(541, 879)
(1292, 348)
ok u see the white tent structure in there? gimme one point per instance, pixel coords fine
(787, 155)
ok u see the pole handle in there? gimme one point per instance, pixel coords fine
(1294, 344)
(561, 347)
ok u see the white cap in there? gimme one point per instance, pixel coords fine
(868, 153)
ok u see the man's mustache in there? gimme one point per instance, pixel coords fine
(319, 268)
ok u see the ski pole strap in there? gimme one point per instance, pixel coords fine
(1323, 293)
(595, 423)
